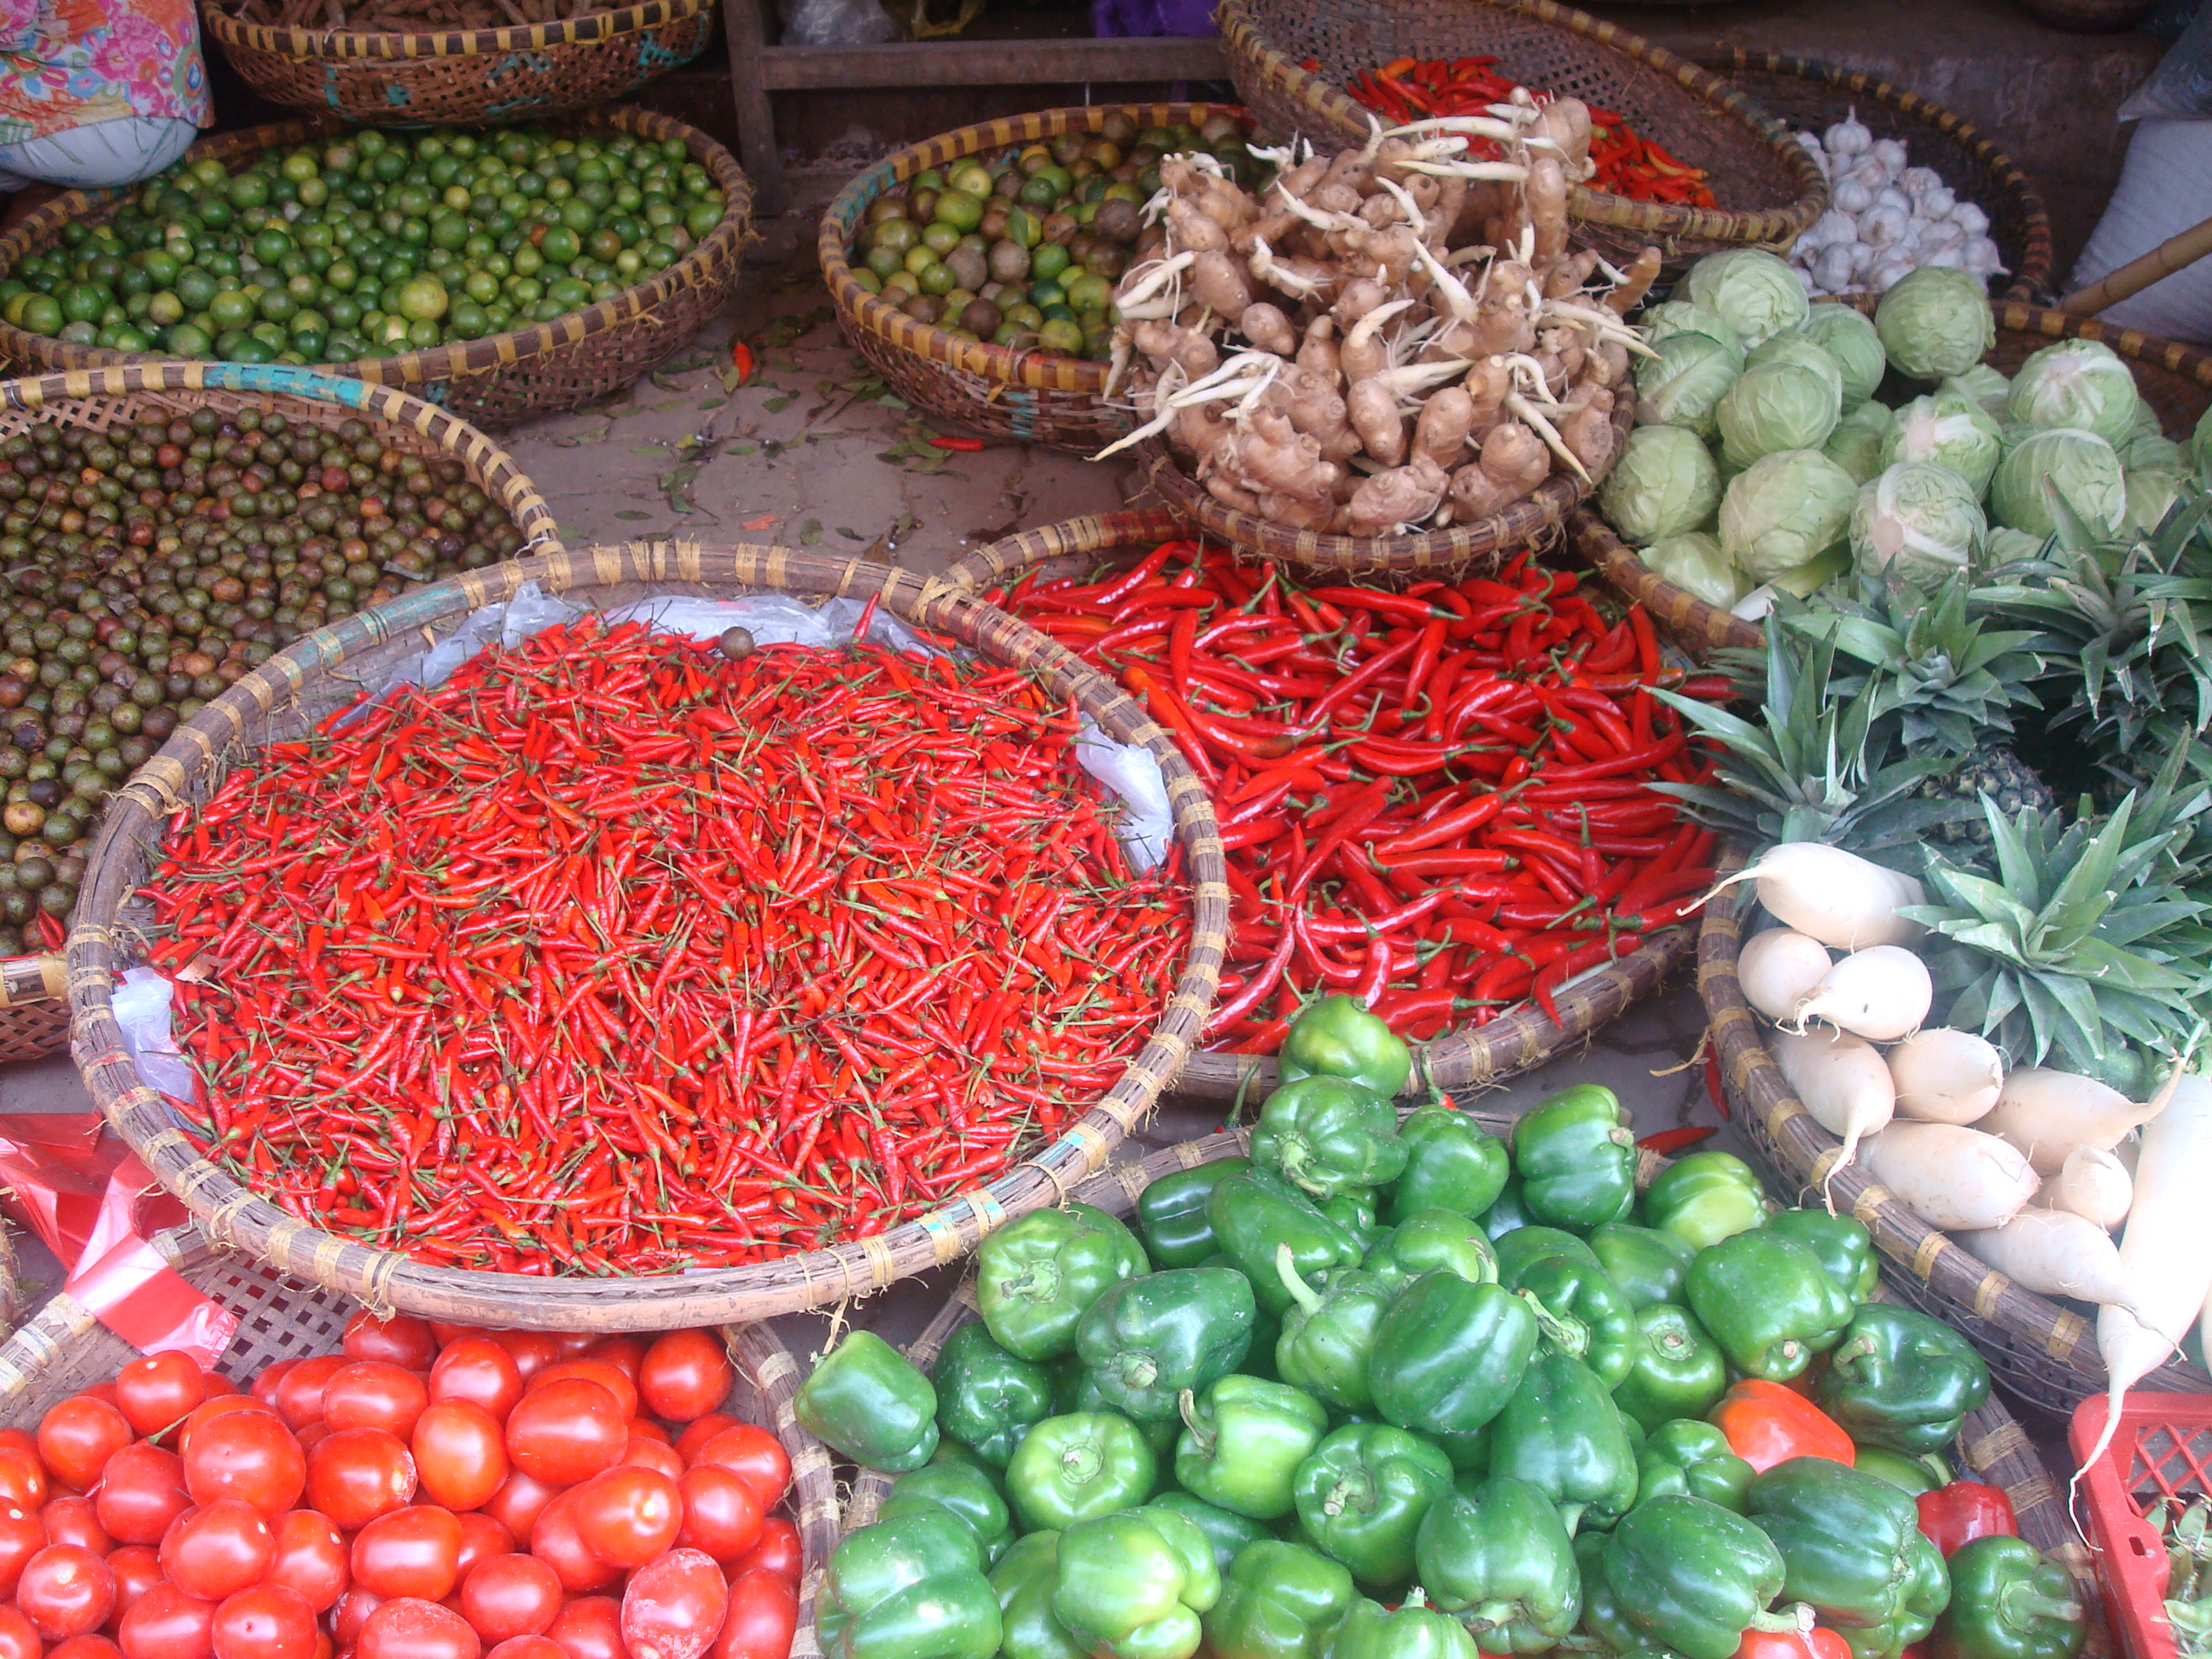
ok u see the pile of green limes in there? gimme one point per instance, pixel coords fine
(367, 245)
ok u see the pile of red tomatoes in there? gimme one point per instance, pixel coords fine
(432, 1492)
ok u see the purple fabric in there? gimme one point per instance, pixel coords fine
(1113, 18)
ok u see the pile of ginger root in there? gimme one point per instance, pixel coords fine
(1393, 340)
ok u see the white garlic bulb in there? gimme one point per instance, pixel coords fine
(1891, 196)
(1983, 258)
(1810, 143)
(1849, 136)
(1952, 254)
(1883, 225)
(1851, 195)
(1834, 267)
(1887, 274)
(1805, 281)
(1871, 174)
(1864, 257)
(1915, 181)
(1970, 218)
(1890, 153)
(1938, 203)
(1833, 225)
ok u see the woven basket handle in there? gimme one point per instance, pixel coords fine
(2174, 253)
(25, 980)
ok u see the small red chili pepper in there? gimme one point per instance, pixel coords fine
(741, 359)
(965, 445)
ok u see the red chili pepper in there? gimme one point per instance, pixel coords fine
(1669, 1141)
(965, 445)
(741, 359)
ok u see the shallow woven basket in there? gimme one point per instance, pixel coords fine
(1030, 397)
(452, 76)
(323, 671)
(2041, 1350)
(1806, 94)
(502, 379)
(1770, 187)
(1517, 1041)
(2174, 379)
(33, 1006)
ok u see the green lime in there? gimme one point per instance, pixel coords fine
(422, 299)
(40, 313)
(936, 278)
(1047, 262)
(186, 340)
(230, 309)
(82, 303)
(560, 244)
(248, 190)
(250, 349)
(276, 305)
(940, 238)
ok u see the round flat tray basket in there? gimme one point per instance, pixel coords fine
(447, 77)
(502, 379)
(323, 673)
(1519, 1040)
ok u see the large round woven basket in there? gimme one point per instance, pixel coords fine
(1030, 397)
(324, 672)
(502, 379)
(1519, 1040)
(33, 1005)
(1291, 60)
(2044, 1351)
(455, 76)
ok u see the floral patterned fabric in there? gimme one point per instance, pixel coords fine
(66, 63)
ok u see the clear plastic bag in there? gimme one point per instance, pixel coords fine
(2181, 88)
(836, 23)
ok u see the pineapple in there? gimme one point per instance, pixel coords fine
(1993, 771)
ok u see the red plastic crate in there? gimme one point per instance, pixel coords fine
(2163, 1449)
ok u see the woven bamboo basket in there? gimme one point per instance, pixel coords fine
(323, 671)
(452, 76)
(1771, 187)
(2041, 1350)
(1030, 396)
(63, 1349)
(1991, 1444)
(1519, 1040)
(502, 379)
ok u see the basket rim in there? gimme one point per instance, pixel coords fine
(363, 45)
(727, 240)
(797, 1280)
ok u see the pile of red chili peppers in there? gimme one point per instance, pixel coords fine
(1437, 800)
(611, 954)
(1413, 89)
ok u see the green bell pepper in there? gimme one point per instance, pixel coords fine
(1648, 1265)
(1524, 1246)
(1705, 1198)
(866, 1401)
(1561, 1432)
(963, 1492)
(1599, 1326)
(1675, 1369)
(1362, 1495)
(1928, 1591)
(1907, 1474)
(986, 1397)
(1147, 1339)
(1902, 1380)
(1604, 1629)
(1171, 1214)
(1431, 1239)
(2008, 1602)
(1338, 1037)
(1023, 1582)
(1768, 1302)
(1689, 1457)
(1133, 1584)
(1329, 1136)
(1451, 1164)
(1448, 1354)
(1228, 1534)
(1412, 1630)
(1575, 1156)
(1329, 1333)
(1088, 1396)
(1508, 1212)
(1694, 1577)
(1354, 1211)
(1242, 1441)
(1279, 1601)
(1070, 1469)
(909, 1589)
(1842, 1242)
(1500, 1559)
(1034, 1280)
(1843, 1535)
(1254, 1211)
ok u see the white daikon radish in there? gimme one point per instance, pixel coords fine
(1779, 967)
(1880, 994)
(1843, 1082)
(1838, 897)
(2166, 1248)
(1953, 1177)
(2128, 1151)
(1944, 1076)
(2048, 1114)
(2053, 1253)
(2092, 1184)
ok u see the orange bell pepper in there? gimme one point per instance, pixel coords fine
(1767, 1423)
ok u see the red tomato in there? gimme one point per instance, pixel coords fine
(165, 1623)
(510, 1595)
(85, 1647)
(65, 1590)
(413, 1552)
(217, 1384)
(652, 1455)
(589, 1627)
(555, 1542)
(612, 1378)
(159, 1391)
(374, 1394)
(518, 1502)
(684, 1375)
(756, 1454)
(217, 1551)
(300, 1395)
(402, 1340)
(77, 1438)
(446, 1331)
(697, 1434)
(574, 1345)
(722, 1516)
(269, 1621)
(141, 1492)
(411, 1628)
(311, 1435)
(22, 1537)
(357, 1474)
(515, 1647)
(271, 1379)
(673, 1608)
(477, 1369)
(247, 1456)
(461, 1454)
(138, 1570)
(220, 1405)
(779, 1552)
(626, 1354)
(22, 1478)
(533, 1351)
(629, 1515)
(351, 1613)
(762, 1618)
(103, 1392)
(310, 1557)
(567, 1431)
(17, 1639)
(644, 1428)
(482, 1537)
